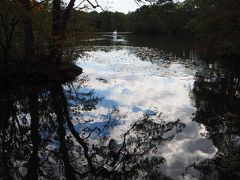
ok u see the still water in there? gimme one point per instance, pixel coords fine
(145, 107)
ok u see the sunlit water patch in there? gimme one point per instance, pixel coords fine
(138, 81)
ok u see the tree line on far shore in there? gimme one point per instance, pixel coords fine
(33, 29)
(216, 23)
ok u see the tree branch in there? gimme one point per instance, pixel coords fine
(36, 3)
(67, 13)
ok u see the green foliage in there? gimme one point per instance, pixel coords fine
(108, 21)
(215, 22)
(11, 14)
(42, 25)
(14, 15)
(159, 19)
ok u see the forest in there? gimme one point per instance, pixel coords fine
(216, 23)
(33, 29)
(79, 103)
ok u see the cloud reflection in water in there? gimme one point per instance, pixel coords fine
(129, 81)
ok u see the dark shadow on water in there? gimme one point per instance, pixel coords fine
(39, 138)
(217, 98)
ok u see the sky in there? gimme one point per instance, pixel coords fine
(124, 6)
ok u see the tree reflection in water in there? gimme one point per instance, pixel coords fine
(217, 98)
(39, 139)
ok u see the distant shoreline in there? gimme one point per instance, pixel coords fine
(110, 33)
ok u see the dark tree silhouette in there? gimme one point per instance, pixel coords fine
(39, 139)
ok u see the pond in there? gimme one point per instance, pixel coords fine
(145, 107)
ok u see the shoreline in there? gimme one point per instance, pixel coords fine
(37, 74)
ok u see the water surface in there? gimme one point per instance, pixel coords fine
(145, 107)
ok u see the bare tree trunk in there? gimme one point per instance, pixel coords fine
(6, 42)
(33, 164)
(28, 32)
(28, 40)
(56, 93)
(5, 56)
(60, 21)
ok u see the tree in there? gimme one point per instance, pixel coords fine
(217, 102)
(48, 145)
(217, 25)
(60, 20)
(10, 13)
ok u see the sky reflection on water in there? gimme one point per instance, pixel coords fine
(137, 86)
(136, 112)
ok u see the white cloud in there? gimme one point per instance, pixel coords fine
(115, 5)
(124, 6)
